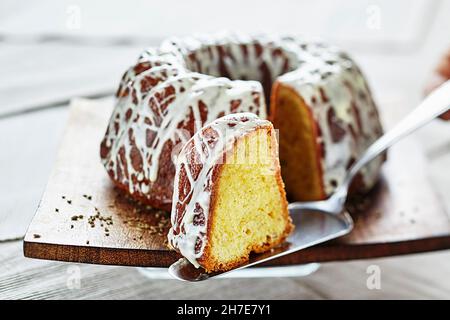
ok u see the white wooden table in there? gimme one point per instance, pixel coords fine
(52, 51)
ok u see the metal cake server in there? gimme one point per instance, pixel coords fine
(320, 221)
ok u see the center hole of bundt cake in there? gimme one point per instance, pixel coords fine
(242, 61)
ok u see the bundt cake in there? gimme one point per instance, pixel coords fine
(319, 101)
(229, 197)
(160, 105)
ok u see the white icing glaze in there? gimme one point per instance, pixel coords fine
(310, 66)
(270, 51)
(208, 153)
(346, 91)
(189, 92)
(182, 64)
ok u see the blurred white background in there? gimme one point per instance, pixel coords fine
(88, 44)
(367, 22)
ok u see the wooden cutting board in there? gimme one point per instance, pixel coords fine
(82, 218)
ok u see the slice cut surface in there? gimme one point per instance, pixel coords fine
(250, 209)
(299, 152)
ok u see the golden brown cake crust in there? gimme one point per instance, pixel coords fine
(317, 150)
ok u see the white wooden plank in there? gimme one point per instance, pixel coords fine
(440, 175)
(36, 75)
(410, 277)
(28, 147)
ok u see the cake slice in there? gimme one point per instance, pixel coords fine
(229, 198)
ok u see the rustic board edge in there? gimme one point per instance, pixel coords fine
(152, 258)
(97, 255)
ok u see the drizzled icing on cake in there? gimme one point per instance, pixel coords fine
(262, 58)
(197, 169)
(173, 91)
(160, 105)
(334, 88)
